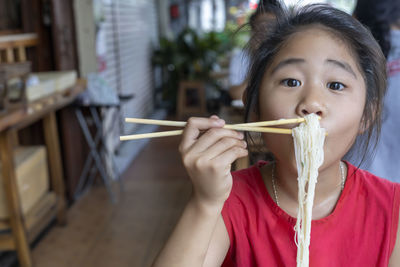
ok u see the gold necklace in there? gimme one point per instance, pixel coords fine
(276, 192)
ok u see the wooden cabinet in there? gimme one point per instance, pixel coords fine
(25, 228)
(32, 175)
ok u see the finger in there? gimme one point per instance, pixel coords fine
(223, 145)
(212, 136)
(193, 128)
(214, 117)
(230, 155)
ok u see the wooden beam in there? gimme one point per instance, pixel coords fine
(63, 30)
(25, 37)
(40, 216)
(24, 43)
(7, 242)
(9, 55)
(21, 54)
(4, 224)
(12, 199)
(56, 170)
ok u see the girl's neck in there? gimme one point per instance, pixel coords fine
(327, 191)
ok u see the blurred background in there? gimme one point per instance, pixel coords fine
(72, 193)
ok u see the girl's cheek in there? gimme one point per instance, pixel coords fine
(275, 104)
(276, 109)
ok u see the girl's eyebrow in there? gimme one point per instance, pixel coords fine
(290, 61)
(342, 65)
(286, 62)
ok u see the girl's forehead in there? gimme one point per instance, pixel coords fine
(316, 44)
(305, 40)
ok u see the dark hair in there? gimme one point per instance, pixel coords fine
(259, 22)
(264, 7)
(364, 47)
(378, 16)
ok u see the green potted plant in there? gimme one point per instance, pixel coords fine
(191, 57)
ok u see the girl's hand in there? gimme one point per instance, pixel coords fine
(208, 158)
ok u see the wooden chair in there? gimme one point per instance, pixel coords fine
(191, 92)
(13, 47)
(14, 65)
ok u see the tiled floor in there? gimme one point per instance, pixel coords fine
(131, 232)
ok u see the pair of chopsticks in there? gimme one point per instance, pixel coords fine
(250, 127)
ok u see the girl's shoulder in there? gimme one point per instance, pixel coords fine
(372, 186)
(248, 189)
(245, 180)
(248, 186)
(377, 198)
(245, 175)
(248, 178)
(369, 178)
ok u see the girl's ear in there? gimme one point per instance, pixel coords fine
(366, 123)
(363, 127)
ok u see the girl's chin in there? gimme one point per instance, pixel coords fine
(292, 166)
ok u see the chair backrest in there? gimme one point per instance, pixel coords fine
(13, 47)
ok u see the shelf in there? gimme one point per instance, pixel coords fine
(41, 215)
(19, 230)
(35, 221)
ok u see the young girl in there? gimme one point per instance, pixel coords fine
(316, 60)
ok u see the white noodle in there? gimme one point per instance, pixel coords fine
(309, 140)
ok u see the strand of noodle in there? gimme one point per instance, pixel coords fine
(309, 140)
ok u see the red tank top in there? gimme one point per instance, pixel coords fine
(361, 230)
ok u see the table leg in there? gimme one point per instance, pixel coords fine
(13, 201)
(94, 153)
(55, 165)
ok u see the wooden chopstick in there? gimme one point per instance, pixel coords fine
(179, 132)
(258, 129)
(150, 135)
(183, 123)
(156, 122)
(272, 123)
(249, 127)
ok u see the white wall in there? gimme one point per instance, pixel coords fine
(85, 31)
(131, 31)
(207, 15)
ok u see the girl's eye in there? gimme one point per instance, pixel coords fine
(291, 82)
(336, 86)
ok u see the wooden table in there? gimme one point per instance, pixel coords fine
(25, 228)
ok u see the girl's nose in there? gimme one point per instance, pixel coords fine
(311, 102)
(306, 111)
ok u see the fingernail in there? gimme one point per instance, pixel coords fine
(244, 143)
(241, 135)
(220, 122)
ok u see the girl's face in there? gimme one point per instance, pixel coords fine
(314, 72)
